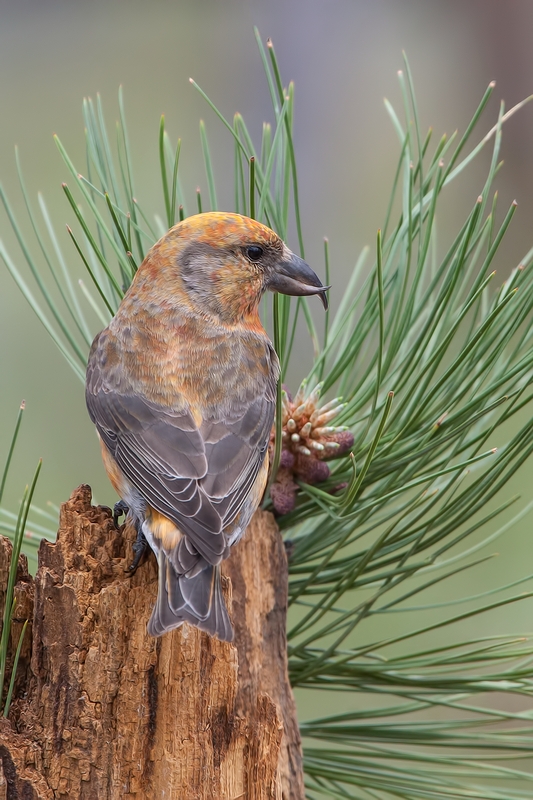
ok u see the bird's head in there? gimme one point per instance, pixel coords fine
(223, 263)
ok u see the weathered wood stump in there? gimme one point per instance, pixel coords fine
(103, 711)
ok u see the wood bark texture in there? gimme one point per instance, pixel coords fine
(103, 711)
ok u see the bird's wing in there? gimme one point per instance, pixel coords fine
(196, 476)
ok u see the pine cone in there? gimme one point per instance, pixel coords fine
(309, 440)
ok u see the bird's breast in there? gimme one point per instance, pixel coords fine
(180, 362)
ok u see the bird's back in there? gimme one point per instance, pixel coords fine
(184, 408)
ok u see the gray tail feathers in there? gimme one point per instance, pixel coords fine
(197, 600)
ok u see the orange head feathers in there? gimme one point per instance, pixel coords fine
(222, 264)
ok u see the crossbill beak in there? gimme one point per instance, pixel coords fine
(293, 276)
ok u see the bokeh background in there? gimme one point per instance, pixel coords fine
(343, 56)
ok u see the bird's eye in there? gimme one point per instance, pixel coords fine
(254, 252)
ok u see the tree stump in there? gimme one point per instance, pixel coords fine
(105, 712)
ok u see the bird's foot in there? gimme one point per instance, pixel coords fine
(119, 509)
(140, 547)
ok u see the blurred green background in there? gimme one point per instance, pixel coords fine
(343, 56)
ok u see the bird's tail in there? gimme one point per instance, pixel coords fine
(197, 600)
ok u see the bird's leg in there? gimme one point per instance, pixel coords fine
(140, 547)
(119, 509)
(140, 544)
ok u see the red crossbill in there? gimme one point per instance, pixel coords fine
(181, 387)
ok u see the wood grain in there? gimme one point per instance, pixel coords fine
(103, 711)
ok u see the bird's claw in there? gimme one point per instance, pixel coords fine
(140, 546)
(119, 509)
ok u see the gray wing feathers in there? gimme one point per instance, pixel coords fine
(197, 477)
(230, 447)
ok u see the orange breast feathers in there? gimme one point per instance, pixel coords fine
(182, 361)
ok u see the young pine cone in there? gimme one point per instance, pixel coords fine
(308, 441)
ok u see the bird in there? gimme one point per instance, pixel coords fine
(181, 387)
